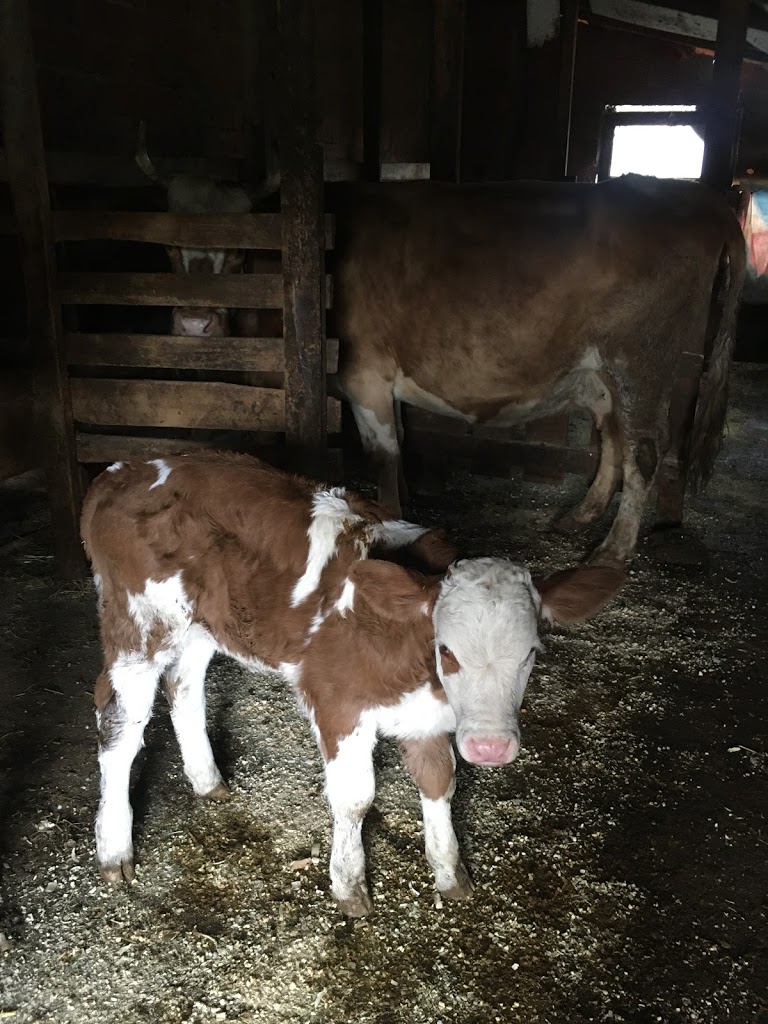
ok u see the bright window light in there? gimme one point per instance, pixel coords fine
(664, 108)
(664, 151)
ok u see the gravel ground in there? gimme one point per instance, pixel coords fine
(620, 864)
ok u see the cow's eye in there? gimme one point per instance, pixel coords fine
(448, 660)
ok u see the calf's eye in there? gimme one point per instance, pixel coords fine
(448, 660)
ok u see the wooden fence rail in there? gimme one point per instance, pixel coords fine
(266, 355)
(186, 230)
(235, 291)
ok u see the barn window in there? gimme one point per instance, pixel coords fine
(664, 141)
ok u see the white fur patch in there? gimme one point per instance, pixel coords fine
(347, 600)
(290, 671)
(163, 472)
(162, 602)
(396, 533)
(417, 715)
(350, 787)
(188, 710)
(330, 514)
(376, 436)
(134, 681)
(115, 467)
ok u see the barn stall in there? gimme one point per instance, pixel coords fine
(619, 865)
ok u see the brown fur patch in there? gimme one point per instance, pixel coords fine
(430, 764)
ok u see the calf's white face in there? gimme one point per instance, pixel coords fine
(486, 638)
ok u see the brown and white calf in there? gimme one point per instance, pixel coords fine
(376, 628)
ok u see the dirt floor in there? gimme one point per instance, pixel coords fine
(620, 864)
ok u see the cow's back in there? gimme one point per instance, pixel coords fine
(151, 518)
(509, 284)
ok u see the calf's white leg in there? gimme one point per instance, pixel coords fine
(431, 764)
(185, 690)
(127, 692)
(350, 789)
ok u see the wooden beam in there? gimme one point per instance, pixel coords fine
(111, 447)
(373, 33)
(253, 355)
(209, 405)
(447, 89)
(122, 172)
(184, 230)
(232, 291)
(25, 158)
(305, 286)
(723, 117)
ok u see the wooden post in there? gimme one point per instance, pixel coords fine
(722, 128)
(27, 176)
(301, 168)
(372, 88)
(447, 89)
(569, 19)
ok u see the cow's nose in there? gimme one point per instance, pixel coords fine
(490, 750)
(195, 326)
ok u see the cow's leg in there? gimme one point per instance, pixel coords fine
(350, 788)
(431, 764)
(641, 457)
(185, 690)
(373, 406)
(402, 483)
(124, 697)
(603, 487)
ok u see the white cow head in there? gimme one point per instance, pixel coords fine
(486, 620)
(189, 194)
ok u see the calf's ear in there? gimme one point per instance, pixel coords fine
(393, 592)
(434, 550)
(575, 595)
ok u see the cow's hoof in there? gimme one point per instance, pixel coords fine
(462, 888)
(117, 874)
(607, 559)
(357, 904)
(220, 793)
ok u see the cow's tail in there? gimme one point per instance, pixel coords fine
(707, 433)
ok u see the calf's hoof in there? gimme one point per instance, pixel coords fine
(117, 874)
(357, 904)
(219, 793)
(462, 888)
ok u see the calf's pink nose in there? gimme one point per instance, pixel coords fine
(490, 751)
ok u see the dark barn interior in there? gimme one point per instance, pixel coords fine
(619, 865)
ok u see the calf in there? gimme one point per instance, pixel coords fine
(376, 628)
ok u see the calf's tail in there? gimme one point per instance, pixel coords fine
(709, 422)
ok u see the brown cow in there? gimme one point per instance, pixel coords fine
(502, 304)
(369, 620)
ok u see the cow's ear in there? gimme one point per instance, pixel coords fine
(433, 550)
(575, 595)
(393, 592)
